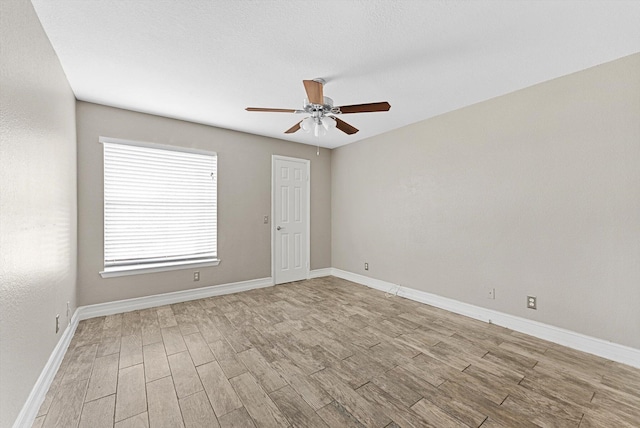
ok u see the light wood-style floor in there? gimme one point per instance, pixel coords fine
(327, 352)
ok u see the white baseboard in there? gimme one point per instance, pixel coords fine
(36, 397)
(602, 348)
(119, 306)
(318, 273)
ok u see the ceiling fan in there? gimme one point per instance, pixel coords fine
(323, 115)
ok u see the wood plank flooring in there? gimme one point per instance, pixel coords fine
(327, 353)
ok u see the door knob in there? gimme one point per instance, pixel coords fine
(278, 228)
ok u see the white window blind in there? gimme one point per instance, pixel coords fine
(160, 206)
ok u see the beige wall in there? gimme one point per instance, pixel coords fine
(37, 203)
(244, 195)
(534, 193)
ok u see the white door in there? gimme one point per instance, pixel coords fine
(290, 219)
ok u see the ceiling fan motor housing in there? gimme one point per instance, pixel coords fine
(320, 110)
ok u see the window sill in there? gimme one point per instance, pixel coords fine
(156, 267)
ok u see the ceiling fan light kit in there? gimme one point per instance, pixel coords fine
(318, 125)
(322, 112)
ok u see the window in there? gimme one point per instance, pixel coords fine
(160, 208)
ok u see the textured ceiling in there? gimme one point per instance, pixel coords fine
(205, 61)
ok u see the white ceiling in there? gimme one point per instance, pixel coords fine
(205, 61)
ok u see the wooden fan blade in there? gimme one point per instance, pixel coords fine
(293, 129)
(365, 108)
(345, 127)
(314, 91)
(273, 110)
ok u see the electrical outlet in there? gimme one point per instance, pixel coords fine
(366, 266)
(57, 323)
(196, 276)
(266, 219)
(491, 294)
(532, 302)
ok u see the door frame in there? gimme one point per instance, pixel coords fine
(307, 163)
